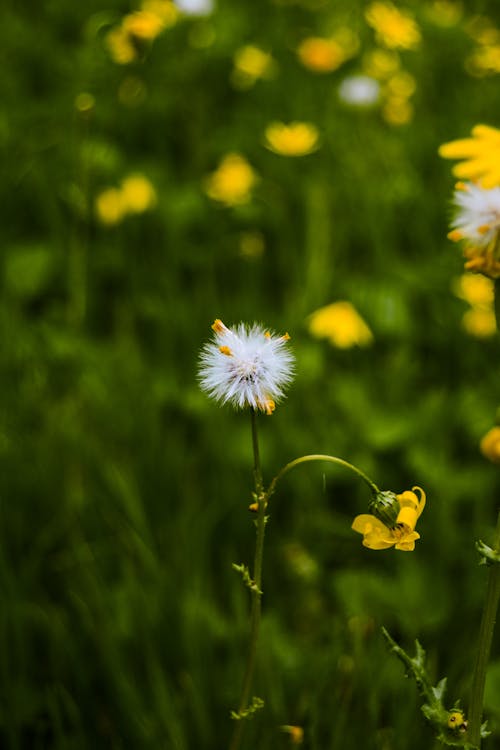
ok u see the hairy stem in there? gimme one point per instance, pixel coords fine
(256, 590)
(486, 630)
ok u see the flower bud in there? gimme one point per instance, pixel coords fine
(385, 506)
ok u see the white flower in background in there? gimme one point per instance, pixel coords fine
(246, 366)
(478, 215)
(359, 91)
(195, 7)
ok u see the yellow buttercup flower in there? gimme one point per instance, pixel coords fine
(142, 25)
(478, 291)
(295, 139)
(402, 535)
(250, 64)
(120, 46)
(321, 55)
(138, 194)
(341, 324)
(232, 181)
(109, 206)
(480, 154)
(394, 28)
(490, 445)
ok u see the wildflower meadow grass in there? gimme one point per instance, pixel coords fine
(214, 538)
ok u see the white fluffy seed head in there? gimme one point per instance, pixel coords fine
(478, 215)
(246, 366)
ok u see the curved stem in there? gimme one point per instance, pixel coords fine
(256, 589)
(485, 639)
(320, 457)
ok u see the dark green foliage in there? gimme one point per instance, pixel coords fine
(124, 491)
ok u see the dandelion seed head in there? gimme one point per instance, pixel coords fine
(478, 214)
(246, 366)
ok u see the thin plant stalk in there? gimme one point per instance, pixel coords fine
(484, 647)
(256, 589)
(320, 457)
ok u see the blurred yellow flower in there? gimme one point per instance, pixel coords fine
(397, 110)
(479, 322)
(477, 290)
(165, 10)
(135, 196)
(142, 25)
(376, 535)
(120, 46)
(341, 324)
(484, 61)
(295, 139)
(490, 445)
(481, 155)
(394, 28)
(321, 55)
(250, 64)
(232, 181)
(401, 84)
(138, 194)
(109, 206)
(381, 63)
(444, 12)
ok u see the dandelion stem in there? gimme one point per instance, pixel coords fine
(256, 589)
(320, 457)
(484, 646)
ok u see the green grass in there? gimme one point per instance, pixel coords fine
(124, 490)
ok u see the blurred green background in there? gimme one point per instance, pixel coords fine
(123, 489)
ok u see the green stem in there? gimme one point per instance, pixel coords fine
(321, 457)
(484, 646)
(256, 590)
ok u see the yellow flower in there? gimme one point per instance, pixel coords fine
(490, 445)
(478, 291)
(397, 110)
(295, 139)
(138, 194)
(479, 323)
(341, 324)
(109, 206)
(394, 28)
(481, 154)
(250, 64)
(232, 181)
(121, 47)
(381, 63)
(376, 535)
(165, 10)
(321, 55)
(142, 25)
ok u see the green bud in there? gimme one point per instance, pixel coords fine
(385, 507)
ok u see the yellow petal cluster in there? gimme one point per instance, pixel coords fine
(341, 324)
(321, 55)
(140, 26)
(376, 535)
(393, 28)
(250, 64)
(478, 291)
(232, 181)
(294, 139)
(480, 155)
(135, 195)
(490, 445)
